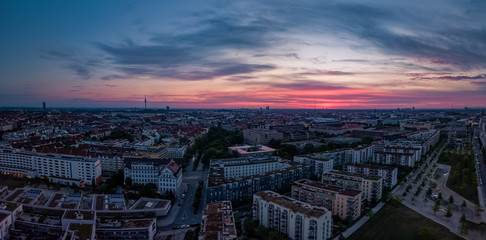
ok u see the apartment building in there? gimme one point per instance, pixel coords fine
(239, 178)
(318, 165)
(61, 168)
(371, 186)
(388, 173)
(166, 175)
(297, 219)
(259, 136)
(8, 214)
(174, 152)
(218, 222)
(360, 154)
(344, 202)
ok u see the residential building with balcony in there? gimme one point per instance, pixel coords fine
(218, 222)
(166, 175)
(388, 173)
(64, 169)
(371, 186)
(239, 178)
(297, 219)
(344, 202)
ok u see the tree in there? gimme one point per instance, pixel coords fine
(449, 211)
(309, 148)
(478, 209)
(435, 208)
(451, 199)
(369, 213)
(463, 204)
(128, 181)
(463, 225)
(439, 196)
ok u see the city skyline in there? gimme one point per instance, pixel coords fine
(251, 54)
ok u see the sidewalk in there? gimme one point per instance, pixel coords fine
(458, 199)
(360, 222)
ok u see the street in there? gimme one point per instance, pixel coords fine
(182, 211)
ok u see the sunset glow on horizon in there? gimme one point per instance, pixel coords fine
(243, 54)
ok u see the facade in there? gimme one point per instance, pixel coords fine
(398, 155)
(111, 163)
(3, 191)
(127, 229)
(297, 219)
(8, 214)
(344, 203)
(482, 131)
(427, 139)
(239, 178)
(167, 177)
(260, 136)
(174, 152)
(318, 165)
(218, 222)
(371, 186)
(65, 169)
(388, 173)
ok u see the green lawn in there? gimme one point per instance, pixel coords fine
(401, 223)
(462, 178)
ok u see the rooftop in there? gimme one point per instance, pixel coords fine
(332, 188)
(292, 204)
(81, 231)
(79, 214)
(150, 203)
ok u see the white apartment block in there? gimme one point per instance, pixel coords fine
(371, 186)
(400, 155)
(242, 167)
(388, 173)
(65, 169)
(167, 177)
(176, 152)
(319, 166)
(360, 154)
(299, 220)
(112, 164)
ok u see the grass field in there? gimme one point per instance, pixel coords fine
(462, 178)
(401, 223)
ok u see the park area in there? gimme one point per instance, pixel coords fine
(462, 178)
(396, 221)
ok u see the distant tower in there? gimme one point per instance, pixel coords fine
(167, 108)
(44, 106)
(145, 102)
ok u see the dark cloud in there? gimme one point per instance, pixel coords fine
(449, 77)
(80, 70)
(83, 67)
(451, 35)
(304, 85)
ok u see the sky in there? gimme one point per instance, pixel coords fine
(372, 54)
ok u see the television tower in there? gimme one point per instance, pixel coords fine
(145, 102)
